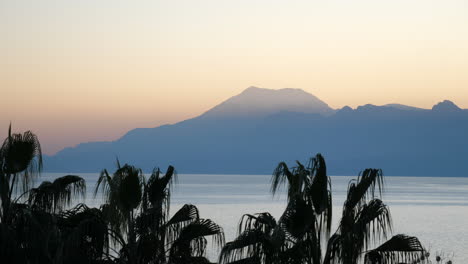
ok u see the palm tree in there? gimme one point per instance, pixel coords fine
(37, 227)
(28, 222)
(137, 212)
(365, 219)
(20, 163)
(298, 235)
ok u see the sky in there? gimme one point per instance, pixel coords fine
(79, 71)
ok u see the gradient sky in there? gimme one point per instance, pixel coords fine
(75, 71)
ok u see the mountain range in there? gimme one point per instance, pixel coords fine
(253, 131)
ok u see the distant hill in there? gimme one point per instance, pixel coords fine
(251, 132)
(405, 107)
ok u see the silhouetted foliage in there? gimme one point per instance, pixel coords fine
(138, 215)
(133, 225)
(399, 248)
(298, 235)
(33, 226)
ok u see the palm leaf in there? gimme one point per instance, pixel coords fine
(21, 152)
(262, 221)
(188, 212)
(298, 218)
(192, 241)
(103, 184)
(320, 183)
(130, 187)
(334, 253)
(247, 246)
(399, 249)
(319, 194)
(373, 222)
(280, 175)
(158, 189)
(368, 182)
(185, 216)
(202, 228)
(20, 164)
(54, 196)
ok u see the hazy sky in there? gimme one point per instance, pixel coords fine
(88, 70)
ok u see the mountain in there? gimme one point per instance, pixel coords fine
(404, 107)
(446, 106)
(260, 102)
(229, 140)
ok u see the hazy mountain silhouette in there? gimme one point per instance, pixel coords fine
(260, 102)
(446, 106)
(404, 107)
(240, 136)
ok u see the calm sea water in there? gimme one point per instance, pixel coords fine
(433, 209)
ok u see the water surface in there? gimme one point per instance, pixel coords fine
(433, 209)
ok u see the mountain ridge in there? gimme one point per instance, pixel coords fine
(398, 139)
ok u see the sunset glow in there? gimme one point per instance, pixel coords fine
(78, 71)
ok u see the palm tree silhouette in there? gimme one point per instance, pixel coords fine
(138, 215)
(20, 163)
(298, 235)
(133, 226)
(29, 232)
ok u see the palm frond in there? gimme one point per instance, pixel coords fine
(299, 218)
(280, 176)
(262, 221)
(58, 194)
(130, 187)
(188, 212)
(333, 253)
(399, 249)
(373, 222)
(103, 184)
(320, 183)
(192, 241)
(181, 219)
(296, 179)
(319, 193)
(158, 189)
(369, 181)
(247, 246)
(21, 152)
(202, 228)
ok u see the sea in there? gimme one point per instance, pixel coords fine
(434, 209)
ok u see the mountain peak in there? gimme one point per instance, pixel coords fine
(255, 102)
(346, 108)
(446, 106)
(286, 91)
(251, 89)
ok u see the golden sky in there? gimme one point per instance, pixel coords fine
(75, 71)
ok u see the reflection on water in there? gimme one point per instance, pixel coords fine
(433, 209)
